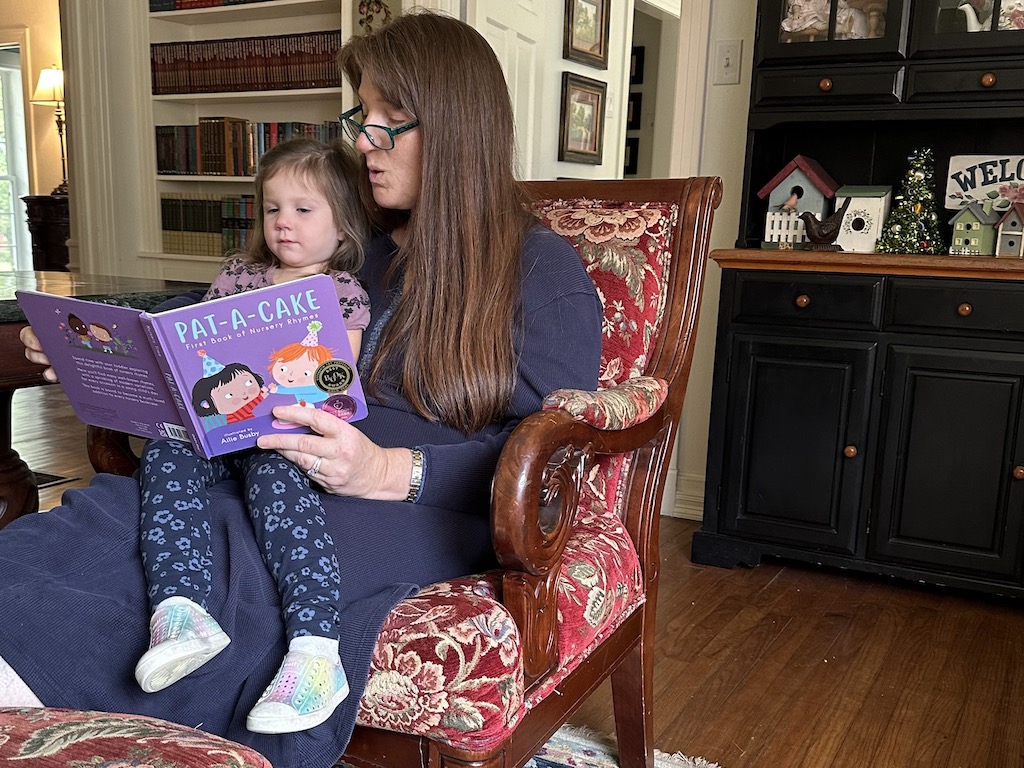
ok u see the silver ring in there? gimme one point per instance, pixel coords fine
(316, 467)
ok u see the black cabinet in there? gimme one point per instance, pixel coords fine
(868, 419)
(860, 103)
(49, 223)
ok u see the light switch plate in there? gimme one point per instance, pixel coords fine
(727, 62)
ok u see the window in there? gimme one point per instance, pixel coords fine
(15, 244)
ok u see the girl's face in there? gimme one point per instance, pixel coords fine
(229, 397)
(298, 224)
(395, 174)
(295, 373)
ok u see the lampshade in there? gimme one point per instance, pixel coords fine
(50, 88)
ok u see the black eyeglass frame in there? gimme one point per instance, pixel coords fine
(354, 128)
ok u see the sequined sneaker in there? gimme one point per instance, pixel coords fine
(182, 637)
(304, 693)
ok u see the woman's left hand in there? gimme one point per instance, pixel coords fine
(350, 464)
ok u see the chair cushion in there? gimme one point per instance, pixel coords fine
(618, 407)
(448, 661)
(51, 738)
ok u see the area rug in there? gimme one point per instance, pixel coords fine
(573, 747)
(45, 479)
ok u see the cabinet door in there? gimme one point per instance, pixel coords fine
(953, 437)
(843, 29)
(795, 442)
(967, 27)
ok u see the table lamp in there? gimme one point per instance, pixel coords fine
(50, 92)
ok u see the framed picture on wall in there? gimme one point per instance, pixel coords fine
(632, 154)
(581, 129)
(636, 65)
(633, 111)
(586, 32)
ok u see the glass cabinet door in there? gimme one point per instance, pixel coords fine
(968, 27)
(831, 28)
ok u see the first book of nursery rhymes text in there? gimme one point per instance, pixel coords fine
(210, 373)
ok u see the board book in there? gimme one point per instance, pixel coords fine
(209, 373)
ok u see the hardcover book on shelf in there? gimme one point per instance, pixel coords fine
(210, 373)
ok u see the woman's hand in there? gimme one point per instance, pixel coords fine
(350, 464)
(34, 352)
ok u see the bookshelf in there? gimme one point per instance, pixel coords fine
(205, 29)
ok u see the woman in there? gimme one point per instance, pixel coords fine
(476, 314)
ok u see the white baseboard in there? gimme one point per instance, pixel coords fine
(689, 498)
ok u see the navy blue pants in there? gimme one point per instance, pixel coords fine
(287, 516)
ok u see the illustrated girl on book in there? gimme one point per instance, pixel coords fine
(309, 220)
(227, 394)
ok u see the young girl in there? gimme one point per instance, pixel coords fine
(309, 219)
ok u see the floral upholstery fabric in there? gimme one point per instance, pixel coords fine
(52, 738)
(448, 662)
(617, 407)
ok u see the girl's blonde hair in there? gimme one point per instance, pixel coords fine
(335, 170)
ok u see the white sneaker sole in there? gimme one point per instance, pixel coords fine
(166, 663)
(275, 717)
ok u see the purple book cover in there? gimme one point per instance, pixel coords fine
(105, 364)
(230, 361)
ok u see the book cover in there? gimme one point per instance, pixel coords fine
(210, 373)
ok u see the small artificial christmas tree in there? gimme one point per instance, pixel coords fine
(913, 224)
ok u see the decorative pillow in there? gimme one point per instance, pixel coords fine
(52, 738)
(617, 407)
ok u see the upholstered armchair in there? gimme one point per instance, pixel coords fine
(482, 670)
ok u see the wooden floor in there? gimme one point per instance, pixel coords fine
(779, 666)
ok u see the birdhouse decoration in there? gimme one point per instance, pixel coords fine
(862, 222)
(1010, 233)
(802, 186)
(974, 231)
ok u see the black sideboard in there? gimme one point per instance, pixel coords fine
(50, 226)
(868, 413)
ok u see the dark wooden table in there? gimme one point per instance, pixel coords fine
(18, 492)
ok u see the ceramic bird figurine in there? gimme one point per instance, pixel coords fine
(824, 232)
(790, 203)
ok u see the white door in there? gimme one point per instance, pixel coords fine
(515, 30)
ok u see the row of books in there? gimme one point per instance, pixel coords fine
(185, 5)
(206, 225)
(228, 146)
(274, 62)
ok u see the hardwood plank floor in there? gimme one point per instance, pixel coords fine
(779, 666)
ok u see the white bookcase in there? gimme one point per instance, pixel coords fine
(315, 105)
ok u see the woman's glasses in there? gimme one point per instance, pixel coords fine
(379, 136)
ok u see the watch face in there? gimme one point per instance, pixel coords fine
(342, 406)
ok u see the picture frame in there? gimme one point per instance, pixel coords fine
(633, 106)
(581, 128)
(636, 65)
(586, 32)
(631, 156)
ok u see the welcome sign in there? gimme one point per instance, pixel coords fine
(997, 179)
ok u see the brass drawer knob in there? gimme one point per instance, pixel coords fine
(803, 301)
(964, 310)
(850, 451)
(1018, 473)
(988, 79)
(825, 84)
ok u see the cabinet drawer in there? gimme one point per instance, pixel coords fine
(835, 301)
(994, 80)
(958, 306)
(811, 87)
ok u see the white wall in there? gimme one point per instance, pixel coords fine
(722, 150)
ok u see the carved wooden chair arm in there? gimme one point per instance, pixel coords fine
(536, 493)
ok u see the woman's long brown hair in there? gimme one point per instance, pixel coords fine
(455, 324)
